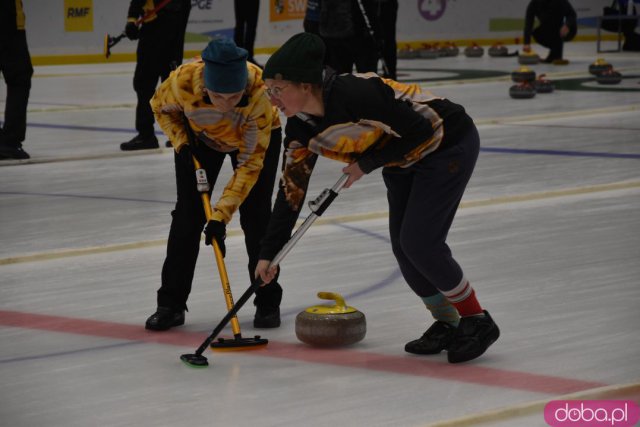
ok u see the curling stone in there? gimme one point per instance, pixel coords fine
(498, 50)
(543, 85)
(599, 66)
(449, 49)
(523, 74)
(523, 90)
(330, 325)
(528, 58)
(609, 77)
(407, 53)
(474, 51)
(429, 52)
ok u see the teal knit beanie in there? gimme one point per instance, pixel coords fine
(299, 59)
(225, 66)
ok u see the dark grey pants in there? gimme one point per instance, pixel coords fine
(423, 199)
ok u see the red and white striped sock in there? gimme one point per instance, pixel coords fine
(463, 298)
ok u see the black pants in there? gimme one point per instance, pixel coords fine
(343, 53)
(549, 37)
(244, 33)
(189, 219)
(387, 16)
(16, 68)
(161, 43)
(423, 200)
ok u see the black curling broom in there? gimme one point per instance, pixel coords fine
(111, 41)
(317, 206)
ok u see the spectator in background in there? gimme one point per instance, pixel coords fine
(16, 68)
(244, 33)
(343, 28)
(311, 23)
(631, 38)
(387, 13)
(557, 25)
(160, 43)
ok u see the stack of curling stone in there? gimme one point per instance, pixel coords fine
(473, 51)
(524, 90)
(528, 58)
(543, 85)
(449, 49)
(330, 326)
(523, 74)
(428, 52)
(407, 53)
(498, 50)
(599, 66)
(609, 77)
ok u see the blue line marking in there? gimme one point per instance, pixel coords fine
(560, 153)
(485, 149)
(79, 196)
(87, 128)
(66, 353)
(392, 277)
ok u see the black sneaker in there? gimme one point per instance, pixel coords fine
(13, 152)
(437, 338)
(140, 143)
(472, 338)
(266, 317)
(165, 318)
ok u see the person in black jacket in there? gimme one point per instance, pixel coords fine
(427, 147)
(343, 27)
(387, 13)
(16, 68)
(160, 44)
(244, 33)
(557, 25)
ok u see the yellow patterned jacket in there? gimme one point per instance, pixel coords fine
(246, 128)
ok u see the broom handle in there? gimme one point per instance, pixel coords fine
(318, 206)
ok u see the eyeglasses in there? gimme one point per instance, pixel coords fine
(276, 92)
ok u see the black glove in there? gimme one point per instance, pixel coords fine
(132, 31)
(216, 230)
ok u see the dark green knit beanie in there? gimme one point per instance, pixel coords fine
(299, 59)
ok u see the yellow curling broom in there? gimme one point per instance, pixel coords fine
(238, 342)
(318, 206)
(110, 41)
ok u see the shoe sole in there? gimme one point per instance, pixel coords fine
(156, 328)
(259, 325)
(425, 352)
(455, 358)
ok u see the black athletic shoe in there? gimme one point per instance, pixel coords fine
(140, 143)
(165, 318)
(13, 152)
(437, 338)
(473, 337)
(267, 317)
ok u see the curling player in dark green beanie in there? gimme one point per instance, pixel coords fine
(427, 148)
